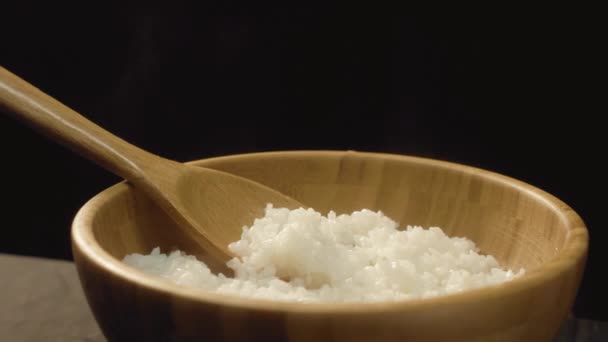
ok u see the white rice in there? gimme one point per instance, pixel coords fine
(301, 255)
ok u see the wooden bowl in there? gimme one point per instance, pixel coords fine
(519, 224)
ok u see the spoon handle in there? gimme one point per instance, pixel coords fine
(47, 115)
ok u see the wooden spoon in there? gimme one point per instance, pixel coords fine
(210, 206)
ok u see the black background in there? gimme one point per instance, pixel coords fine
(502, 89)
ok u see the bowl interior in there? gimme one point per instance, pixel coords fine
(513, 221)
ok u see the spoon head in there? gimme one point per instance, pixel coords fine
(213, 206)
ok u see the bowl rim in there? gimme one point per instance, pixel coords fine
(571, 254)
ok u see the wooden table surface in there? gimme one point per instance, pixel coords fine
(41, 300)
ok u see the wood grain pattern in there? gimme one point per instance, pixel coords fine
(184, 192)
(518, 223)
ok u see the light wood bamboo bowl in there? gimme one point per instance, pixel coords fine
(519, 224)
